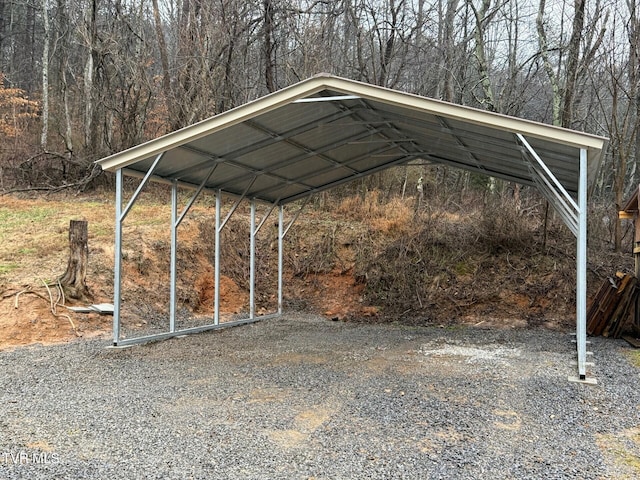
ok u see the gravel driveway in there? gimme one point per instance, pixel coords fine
(305, 398)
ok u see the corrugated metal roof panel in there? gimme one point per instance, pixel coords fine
(327, 130)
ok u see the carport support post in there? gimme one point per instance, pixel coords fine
(280, 251)
(252, 261)
(216, 306)
(117, 268)
(174, 250)
(581, 268)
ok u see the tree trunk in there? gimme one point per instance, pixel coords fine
(634, 74)
(544, 53)
(448, 46)
(61, 38)
(268, 46)
(91, 13)
(164, 57)
(3, 33)
(74, 279)
(45, 76)
(481, 17)
(572, 64)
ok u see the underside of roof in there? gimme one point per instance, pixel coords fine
(328, 130)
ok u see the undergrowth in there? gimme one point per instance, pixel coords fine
(488, 258)
(475, 255)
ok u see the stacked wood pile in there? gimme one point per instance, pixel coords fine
(610, 312)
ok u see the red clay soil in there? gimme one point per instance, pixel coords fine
(33, 322)
(335, 295)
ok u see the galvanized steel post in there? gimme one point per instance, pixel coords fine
(280, 255)
(581, 268)
(216, 307)
(174, 255)
(117, 269)
(252, 260)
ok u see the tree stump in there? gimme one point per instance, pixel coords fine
(74, 279)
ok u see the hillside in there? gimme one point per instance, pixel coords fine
(362, 258)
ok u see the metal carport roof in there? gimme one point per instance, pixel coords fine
(327, 130)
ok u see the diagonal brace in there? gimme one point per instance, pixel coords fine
(144, 181)
(548, 172)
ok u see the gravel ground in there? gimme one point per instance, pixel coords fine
(302, 397)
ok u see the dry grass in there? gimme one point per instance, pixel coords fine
(34, 244)
(34, 237)
(394, 216)
(34, 248)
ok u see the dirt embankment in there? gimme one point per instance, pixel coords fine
(361, 259)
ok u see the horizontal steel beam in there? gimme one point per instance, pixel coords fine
(188, 331)
(327, 99)
(190, 186)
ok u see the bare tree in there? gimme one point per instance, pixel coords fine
(633, 29)
(483, 16)
(573, 58)
(268, 44)
(62, 54)
(112, 73)
(45, 75)
(447, 49)
(615, 86)
(91, 39)
(164, 56)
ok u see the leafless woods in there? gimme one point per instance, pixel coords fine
(82, 78)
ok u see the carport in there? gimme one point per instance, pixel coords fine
(326, 131)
